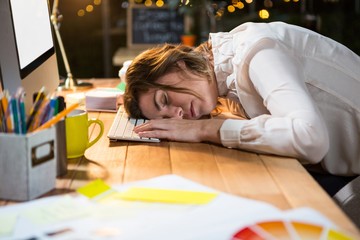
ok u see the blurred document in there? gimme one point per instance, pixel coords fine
(166, 207)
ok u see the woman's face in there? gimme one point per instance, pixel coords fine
(157, 103)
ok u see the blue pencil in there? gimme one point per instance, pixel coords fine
(20, 96)
(15, 114)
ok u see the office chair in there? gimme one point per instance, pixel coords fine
(348, 198)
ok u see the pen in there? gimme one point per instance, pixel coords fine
(58, 117)
(56, 107)
(52, 108)
(33, 120)
(40, 96)
(9, 119)
(40, 114)
(19, 96)
(15, 114)
(22, 112)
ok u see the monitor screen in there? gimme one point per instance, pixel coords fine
(33, 34)
(27, 52)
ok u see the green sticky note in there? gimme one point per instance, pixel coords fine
(121, 86)
(94, 188)
(167, 196)
(7, 224)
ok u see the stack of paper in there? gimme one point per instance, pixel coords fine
(166, 207)
(103, 99)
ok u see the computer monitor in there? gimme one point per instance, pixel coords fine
(27, 52)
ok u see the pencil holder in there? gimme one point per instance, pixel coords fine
(27, 164)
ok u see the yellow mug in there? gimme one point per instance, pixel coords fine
(77, 126)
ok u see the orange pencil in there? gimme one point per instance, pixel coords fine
(5, 104)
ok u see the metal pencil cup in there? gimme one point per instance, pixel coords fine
(27, 164)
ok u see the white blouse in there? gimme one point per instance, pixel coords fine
(300, 92)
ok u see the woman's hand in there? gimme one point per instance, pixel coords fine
(182, 130)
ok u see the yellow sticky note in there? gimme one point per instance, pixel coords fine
(167, 196)
(94, 188)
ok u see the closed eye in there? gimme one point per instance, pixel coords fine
(161, 100)
(164, 100)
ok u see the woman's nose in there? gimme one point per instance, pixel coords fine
(177, 112)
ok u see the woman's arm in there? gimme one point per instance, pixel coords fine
(294, 126)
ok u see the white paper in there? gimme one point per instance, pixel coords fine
(80, 218)
(103, 99)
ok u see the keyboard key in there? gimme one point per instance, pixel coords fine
(123, 126)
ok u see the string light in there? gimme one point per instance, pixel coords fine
(159, 3)
(231, 8)
(148, 3)
(89, 8)
(264, 14)
(81, 13)
(240, 5)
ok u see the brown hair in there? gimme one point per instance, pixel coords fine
(152, 64)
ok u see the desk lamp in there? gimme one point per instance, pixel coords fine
(70, 82)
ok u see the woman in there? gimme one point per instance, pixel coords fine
(297, 90)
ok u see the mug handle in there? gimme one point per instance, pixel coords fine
(101, 125)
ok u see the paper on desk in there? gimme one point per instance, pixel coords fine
(127, 216)
(7, 224)
(114, 218)
(63, 209)
(104, 99)
(37, 215)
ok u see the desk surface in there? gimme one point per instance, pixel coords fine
(280, 181)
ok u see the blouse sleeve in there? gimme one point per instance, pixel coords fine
(294, 126)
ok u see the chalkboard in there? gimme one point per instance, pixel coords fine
(152, 26)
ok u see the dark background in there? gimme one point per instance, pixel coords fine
(91, 40)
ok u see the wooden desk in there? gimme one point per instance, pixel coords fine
(280, 181)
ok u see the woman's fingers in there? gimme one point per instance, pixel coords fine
(159, 124)
(171, 129)
(181, 130)
(161, 134)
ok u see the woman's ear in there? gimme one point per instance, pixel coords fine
(181, 64)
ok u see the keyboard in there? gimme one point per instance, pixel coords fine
(122, 128)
